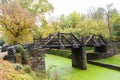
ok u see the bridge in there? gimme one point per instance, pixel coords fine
(77, 45)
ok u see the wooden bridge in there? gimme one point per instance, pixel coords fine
(77, 45)
(68, 40)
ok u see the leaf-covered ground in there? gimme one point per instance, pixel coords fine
(8, 72)
(115, 60)
(63, 68)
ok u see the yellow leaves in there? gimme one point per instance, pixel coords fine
(49, 30)
(17, 23)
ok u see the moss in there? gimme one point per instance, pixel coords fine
(67, 72)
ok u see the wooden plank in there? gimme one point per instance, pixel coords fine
(76, 39)
(51, 39)
(67, 40)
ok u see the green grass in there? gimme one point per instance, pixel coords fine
(89, 49)
(67, 72)
(112, 60)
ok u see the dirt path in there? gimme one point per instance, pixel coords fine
(2, 54)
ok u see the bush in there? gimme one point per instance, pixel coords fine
(17, 67)
(23, 53)
(63, 53)
(27, 69)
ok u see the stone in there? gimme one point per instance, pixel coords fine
(37, 60)
(79, 59)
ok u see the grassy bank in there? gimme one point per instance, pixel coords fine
(112, 60)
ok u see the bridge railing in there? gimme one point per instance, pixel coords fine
(69, 40)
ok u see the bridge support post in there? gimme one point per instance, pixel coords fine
(101, 49)
(79, 59)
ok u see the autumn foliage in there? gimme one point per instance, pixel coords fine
(7, 72)
(17, 24)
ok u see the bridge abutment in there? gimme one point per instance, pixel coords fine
(37, 60)
(79, 59)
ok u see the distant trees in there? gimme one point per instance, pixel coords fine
(116, 28)
(73, 20)
(108, 15)
(99, 20)
(96, 13)
(104, 21)
(19, 21)
(80, 24)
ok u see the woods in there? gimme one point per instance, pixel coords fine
(23, 20)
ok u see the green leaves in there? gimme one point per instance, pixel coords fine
(116, 27)
(37, 6)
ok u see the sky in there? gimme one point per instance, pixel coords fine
(68, 6)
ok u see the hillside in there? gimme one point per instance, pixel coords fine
(8, 72)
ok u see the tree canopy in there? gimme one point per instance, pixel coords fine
(17, 23)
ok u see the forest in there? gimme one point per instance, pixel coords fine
(20, 19)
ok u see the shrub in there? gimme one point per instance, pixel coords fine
(23, 53)
(27, 69)
(17, 67)
(63, 53)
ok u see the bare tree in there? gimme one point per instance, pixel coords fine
(108, 14)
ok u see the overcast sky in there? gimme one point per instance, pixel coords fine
(68, 6)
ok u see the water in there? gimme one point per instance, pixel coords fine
(65, 70)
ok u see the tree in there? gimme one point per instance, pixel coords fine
(62, 20)
(37, 6)
(111, 18)
(98, 13)
(74, 19)
(108, 13)
(54, 22)
(3, 1)
(116, 27)
(17, 23)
